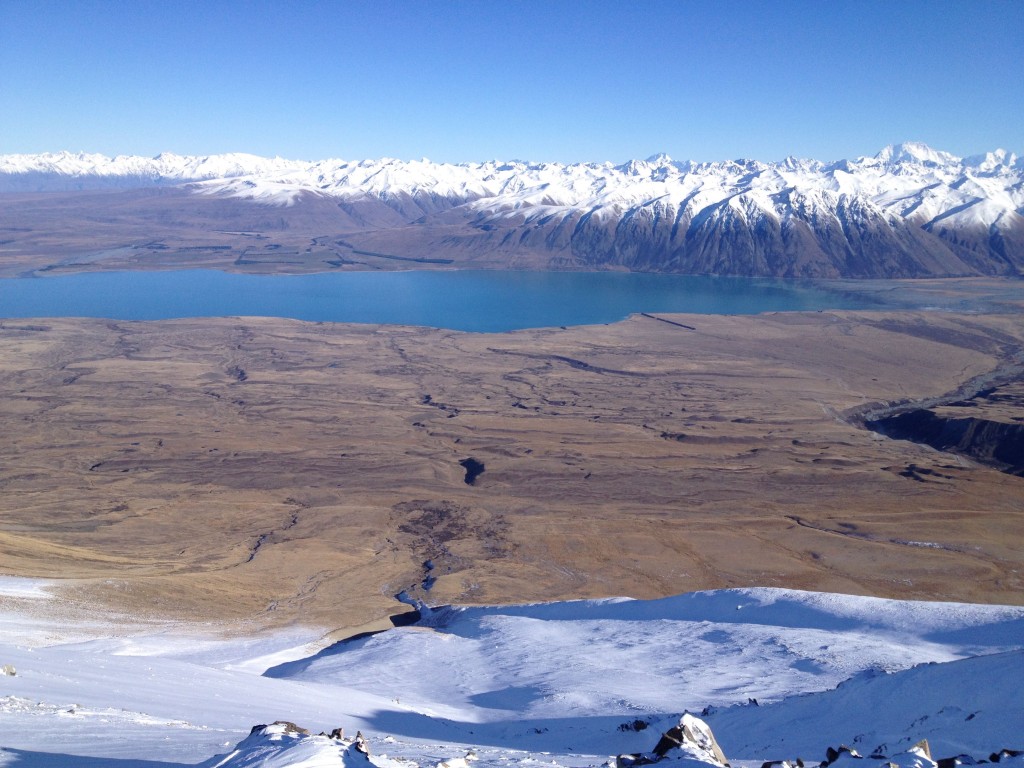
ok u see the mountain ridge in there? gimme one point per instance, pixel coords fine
(170, 165)
(908, 211)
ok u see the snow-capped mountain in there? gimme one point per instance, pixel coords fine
(908, 211)
(68, 170)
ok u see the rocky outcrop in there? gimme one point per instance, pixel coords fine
(691, 740)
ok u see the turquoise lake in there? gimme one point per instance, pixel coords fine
(483, 301)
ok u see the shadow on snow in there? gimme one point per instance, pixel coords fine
(23, 758)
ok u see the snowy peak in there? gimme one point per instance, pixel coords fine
(660, 158)
(993, 162)
(577, 185)
(917, 153)
(166, 165)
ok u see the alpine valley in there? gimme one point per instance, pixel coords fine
(909, 211)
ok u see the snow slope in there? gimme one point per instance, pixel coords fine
(956, 706)
(561, 683)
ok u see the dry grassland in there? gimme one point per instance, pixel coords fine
(289, 471)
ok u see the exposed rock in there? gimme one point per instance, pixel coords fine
(286, 725)
(634, 725)
(692, 735)
(1003, 754)
(691, 739)
(833, 754)
(360, 744)
(918, 756)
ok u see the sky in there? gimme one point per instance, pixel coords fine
(550, 81)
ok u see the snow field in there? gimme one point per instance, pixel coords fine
(557, 683)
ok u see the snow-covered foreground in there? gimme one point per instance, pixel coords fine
(565, 683)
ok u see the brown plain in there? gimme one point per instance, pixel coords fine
(288, 472)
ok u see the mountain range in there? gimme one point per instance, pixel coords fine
(908, 211)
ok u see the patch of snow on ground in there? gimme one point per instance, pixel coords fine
(24, 589)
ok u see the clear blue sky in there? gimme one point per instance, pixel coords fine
(548, 81)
